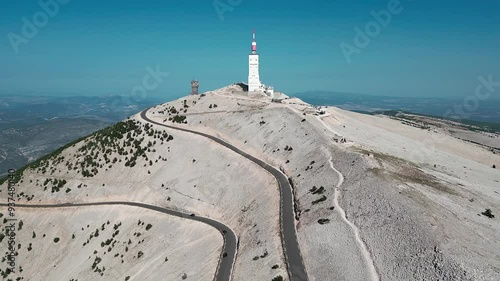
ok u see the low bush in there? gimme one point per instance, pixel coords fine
(488, 213)
(323, 198)
(323, 221)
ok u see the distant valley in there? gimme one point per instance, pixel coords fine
(487, 111)
(34, 126)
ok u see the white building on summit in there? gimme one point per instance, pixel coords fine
(254, 84)
(253, 68)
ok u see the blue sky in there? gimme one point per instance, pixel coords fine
(429, 48)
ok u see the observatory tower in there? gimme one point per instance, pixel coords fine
(194, 87)
(253, 67)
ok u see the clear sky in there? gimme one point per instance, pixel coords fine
(429, 48)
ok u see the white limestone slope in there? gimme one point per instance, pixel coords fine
(471, 184)
(188, 173)
(165, 246)
(388, 213)
(365, 253)
(415, 221)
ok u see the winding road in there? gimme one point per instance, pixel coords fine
(291, 249)
(224, 269)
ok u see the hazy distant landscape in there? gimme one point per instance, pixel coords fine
(487, 111)
(34, 126)
(368, 191)
(250, 140)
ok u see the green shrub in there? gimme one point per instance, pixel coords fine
(323, 198)
(320, 190)
(488, 213)
(323, 221)
(178, 119)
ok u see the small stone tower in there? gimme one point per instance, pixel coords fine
(194, 87)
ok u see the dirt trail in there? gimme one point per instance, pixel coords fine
(364, 251)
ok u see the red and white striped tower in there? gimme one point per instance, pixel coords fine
(253, 67)
(254, 43)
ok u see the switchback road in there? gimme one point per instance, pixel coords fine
(224, 269)
(291, 249)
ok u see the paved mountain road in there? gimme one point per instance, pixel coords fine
(291, 249)
(224, 269)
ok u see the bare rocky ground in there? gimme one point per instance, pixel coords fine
(391, 202)
(417, 221)
(113, 243)
(473, 133)
(187, 173)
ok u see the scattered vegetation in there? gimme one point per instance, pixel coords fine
(323, 221)
(124, 138)
(264, 255)
(56, 239)
(181, 119)
(42, 162)
(56, 184)
(315, 190)
(278, 278)
(488, 213)
(323, 198)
